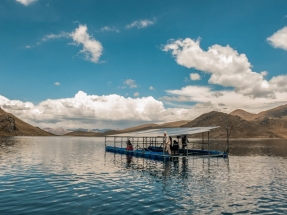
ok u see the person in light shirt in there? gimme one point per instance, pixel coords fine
(166, 142)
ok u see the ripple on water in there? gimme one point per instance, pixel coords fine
(75, 176)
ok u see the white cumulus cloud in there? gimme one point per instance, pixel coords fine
(57, 83)
(226, 66)
(26, 2)
(92, 49)
(230, 99)
(151, 88)
(194, 76)
(136, 94)
(109, 111)
(115, 111)
(140, 24)
(131, 83)
(279, 39)
(14, 105)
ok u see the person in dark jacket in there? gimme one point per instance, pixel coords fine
(129, 146)
(175, 147)
(184, 141)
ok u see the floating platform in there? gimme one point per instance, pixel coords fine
(159, 155)
(150, 143)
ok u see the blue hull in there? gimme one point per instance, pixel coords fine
(157, 154)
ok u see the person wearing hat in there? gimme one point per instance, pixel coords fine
(166, 142)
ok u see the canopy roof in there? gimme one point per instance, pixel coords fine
(169, 131)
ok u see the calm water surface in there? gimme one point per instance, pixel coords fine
(74, 175)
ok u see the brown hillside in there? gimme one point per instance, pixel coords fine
(240, 127)
(279, 112)
(13, 126)
(278, 126)
(267, 124)
(243, 114)
(274, 113)
(274, 119)
(174, 124)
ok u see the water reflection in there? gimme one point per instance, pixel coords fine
(179, 168)
(58, 175)
(251, 147)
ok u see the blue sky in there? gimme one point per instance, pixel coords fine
(144, 52)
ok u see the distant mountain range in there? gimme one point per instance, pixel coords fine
(266, 124)
(240, 128)
(274, 113)
(89, 130)
(136, 128)
(274, 119)
(63, 131)
(56, 131)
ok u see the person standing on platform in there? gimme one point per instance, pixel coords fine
(184, 141)
(129, 146)
(166, 142)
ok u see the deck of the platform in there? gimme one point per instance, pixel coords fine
(159, 155)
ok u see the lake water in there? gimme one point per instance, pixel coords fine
(74, 175)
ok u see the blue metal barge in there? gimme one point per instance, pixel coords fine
(150, 144)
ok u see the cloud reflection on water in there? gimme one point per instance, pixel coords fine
(74, 174)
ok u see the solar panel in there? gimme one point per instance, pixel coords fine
(170, 131)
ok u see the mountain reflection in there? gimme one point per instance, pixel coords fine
(254, 147)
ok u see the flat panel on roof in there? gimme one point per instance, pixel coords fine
(170, 131)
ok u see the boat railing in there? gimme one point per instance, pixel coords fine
(147, 143)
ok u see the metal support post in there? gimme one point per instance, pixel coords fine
(138, 143)
(186, 147)
(208, 142)
(163, 146)
(202, 147)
